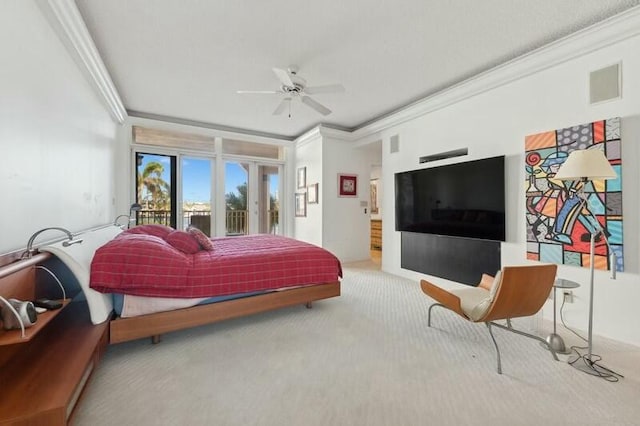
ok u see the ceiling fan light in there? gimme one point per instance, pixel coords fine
(295, 87)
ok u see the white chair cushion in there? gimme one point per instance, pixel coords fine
(475, 301)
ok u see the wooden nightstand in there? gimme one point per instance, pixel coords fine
(42, 376)
(45, 377)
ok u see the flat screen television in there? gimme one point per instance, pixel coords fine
(461, 200)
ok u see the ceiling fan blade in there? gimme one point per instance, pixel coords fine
(258, 92)
(330, 88)
(281, 106)
(316, 105)
(284, 77)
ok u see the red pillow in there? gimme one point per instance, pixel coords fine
(183, 241)
(204, 241)
(155, 230)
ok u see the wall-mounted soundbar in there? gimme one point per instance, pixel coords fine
(443, 155)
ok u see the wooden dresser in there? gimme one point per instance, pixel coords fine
(376, 234)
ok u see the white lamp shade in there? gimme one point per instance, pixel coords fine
(588, 164)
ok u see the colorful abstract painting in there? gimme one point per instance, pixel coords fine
(559, 225)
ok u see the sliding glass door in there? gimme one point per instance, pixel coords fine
(236, 192)
(268, 199)
(196, 183)
(156, 189)
(252, 198)
(185, 190)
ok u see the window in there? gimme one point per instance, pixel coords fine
(196, 180)
(155, 189)
(180, 181)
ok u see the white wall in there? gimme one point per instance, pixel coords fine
(345, 221)
(339, 224)
(309, 154)
(496, 123)
(57, 138)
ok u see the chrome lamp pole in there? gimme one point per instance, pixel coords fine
(588, 165)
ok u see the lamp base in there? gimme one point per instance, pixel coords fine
(557, 344)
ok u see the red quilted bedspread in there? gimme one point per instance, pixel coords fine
(146, 265)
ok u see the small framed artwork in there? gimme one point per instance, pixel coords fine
(312, 193)
(374, 196)
(302, 178)
(347, 185)
(301, 204)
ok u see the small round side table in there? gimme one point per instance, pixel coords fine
(554, 340)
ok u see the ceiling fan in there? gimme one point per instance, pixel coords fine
(295, 87)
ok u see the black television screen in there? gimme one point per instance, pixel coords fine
(461, 200)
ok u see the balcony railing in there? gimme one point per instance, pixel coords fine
(153, 217)
(236, 221)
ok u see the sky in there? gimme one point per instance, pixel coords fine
(196, 176)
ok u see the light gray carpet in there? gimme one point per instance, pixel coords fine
(365, 358)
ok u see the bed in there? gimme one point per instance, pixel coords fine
(234, 277)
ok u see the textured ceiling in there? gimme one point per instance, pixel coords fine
(186, 59)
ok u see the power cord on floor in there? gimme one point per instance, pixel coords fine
(591, 365)
(565, 324)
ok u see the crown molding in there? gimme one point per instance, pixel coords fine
(175, 123)
(605, 33)
(322, 131)
(330, 132)
(64, 17)
(308, 136)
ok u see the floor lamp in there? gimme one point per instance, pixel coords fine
(586, 166)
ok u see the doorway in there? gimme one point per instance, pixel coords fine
(376, 209)
(252, 197)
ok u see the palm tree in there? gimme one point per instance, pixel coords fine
(236, 220)
(151, 184)
(274, 208)
(237, 201)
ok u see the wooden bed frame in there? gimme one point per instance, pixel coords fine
(153, 325)
(156, 324)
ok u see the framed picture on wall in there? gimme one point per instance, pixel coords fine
(374, 196)
(347, 185)
(312, 193)
(301, 178)
(301, 204)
